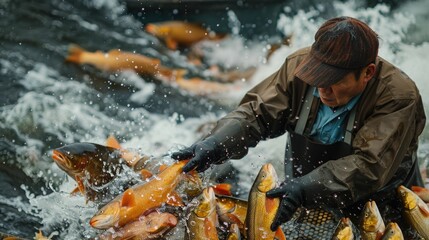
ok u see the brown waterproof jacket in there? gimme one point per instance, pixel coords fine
(389, 119)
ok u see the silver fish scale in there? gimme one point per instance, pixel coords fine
(310, 224)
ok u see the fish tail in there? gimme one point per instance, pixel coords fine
(75, 53)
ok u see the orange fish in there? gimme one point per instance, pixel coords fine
(152, 226)
(117, 60)
(140, 198)
(232, 210)
(179, 33)
(261, 210)
(133, 159)
(203, 220)
(203, 87)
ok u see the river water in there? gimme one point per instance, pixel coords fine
(46, 102)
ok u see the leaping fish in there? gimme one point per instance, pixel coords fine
(176, 33)
(117, 60)
(140, 198)
(90, 165)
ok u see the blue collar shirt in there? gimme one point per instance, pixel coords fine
(329, 126)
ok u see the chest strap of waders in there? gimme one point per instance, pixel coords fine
(305, 112)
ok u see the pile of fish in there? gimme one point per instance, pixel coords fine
(372, 226)
(151, 205)
(164, 196)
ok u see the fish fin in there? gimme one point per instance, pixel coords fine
(39, 235)
(279, 235)
(75, 191)
(128, 199)
(270, 204)
(235, 220)
(416, 189)
(171, 44)
(423, 208)
(145, 174)
(112, 142)
(80, 185)
(208, 226)
(173, 199)
(162, 167)
(222, 189)
(75, 53)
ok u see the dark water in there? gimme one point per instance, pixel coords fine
(46, 103)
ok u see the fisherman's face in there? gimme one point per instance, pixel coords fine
(343, 91)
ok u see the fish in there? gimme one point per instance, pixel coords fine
(415, 210)
(372, 225)
(133, 159)
(154, 225)
(232, 210)
(202, 222)
(117, 60)
(422, 192)
(222, 189)
(140, 198)
(344, 230)
(234, 232)
(201, 87)
(180, 33)
(261, 210)
(91, 165)
(392, 232)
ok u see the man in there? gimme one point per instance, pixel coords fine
(353, 119)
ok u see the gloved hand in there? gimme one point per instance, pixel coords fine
(225, 142)
(202, 154)
(292, 197)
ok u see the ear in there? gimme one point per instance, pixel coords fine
(369, 72)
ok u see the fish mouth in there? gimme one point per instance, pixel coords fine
(60, 158)
(106, 218)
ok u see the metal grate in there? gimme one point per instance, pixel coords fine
(309, 224)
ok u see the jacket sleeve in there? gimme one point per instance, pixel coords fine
(379, 147)
(261, 114)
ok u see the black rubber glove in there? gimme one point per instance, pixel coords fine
(227, 141)
(292, 197)
(202, 154)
